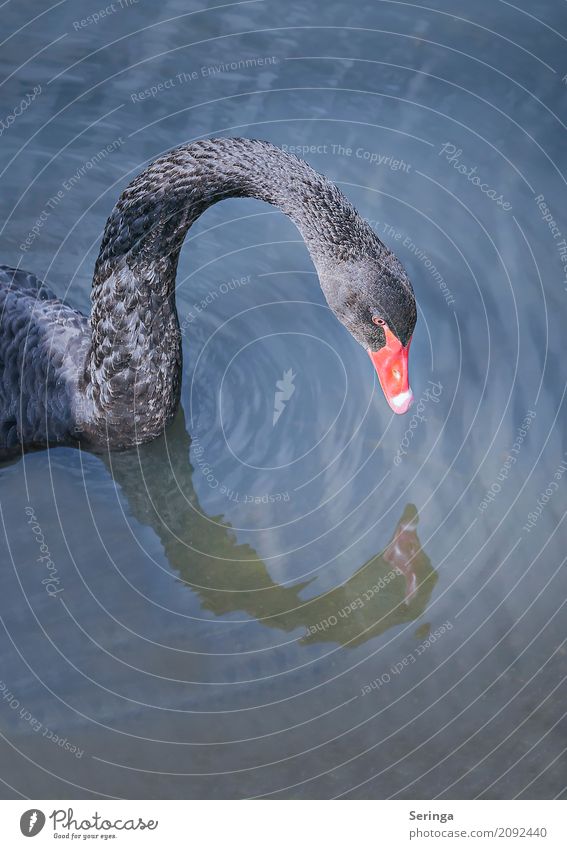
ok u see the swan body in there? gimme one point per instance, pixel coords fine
(42, 342)
(113, 379)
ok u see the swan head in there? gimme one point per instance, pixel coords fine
(374, 300)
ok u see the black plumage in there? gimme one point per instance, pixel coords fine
(113, 379)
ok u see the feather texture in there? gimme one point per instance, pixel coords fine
(114, 379)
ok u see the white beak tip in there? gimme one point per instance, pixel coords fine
(402, 402)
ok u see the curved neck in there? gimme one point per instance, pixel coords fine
(135, 356)
(153, 214)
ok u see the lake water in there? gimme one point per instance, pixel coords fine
(226, 614)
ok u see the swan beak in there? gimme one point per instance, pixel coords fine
(391, 364)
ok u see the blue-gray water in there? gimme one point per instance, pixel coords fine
(211, 629)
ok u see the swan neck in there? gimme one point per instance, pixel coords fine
(134, 367)
(151, 219)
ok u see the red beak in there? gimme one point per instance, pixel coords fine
(391, 363)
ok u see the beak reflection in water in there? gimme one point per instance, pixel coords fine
(391, 588)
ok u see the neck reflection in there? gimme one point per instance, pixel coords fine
(393, 587)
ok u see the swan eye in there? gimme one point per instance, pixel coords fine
(377, 320)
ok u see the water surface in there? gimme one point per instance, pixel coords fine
(329, 601)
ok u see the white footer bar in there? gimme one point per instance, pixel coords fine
(285, 824)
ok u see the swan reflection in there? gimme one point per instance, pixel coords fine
(391, 588)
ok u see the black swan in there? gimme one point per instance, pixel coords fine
(113, 380)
